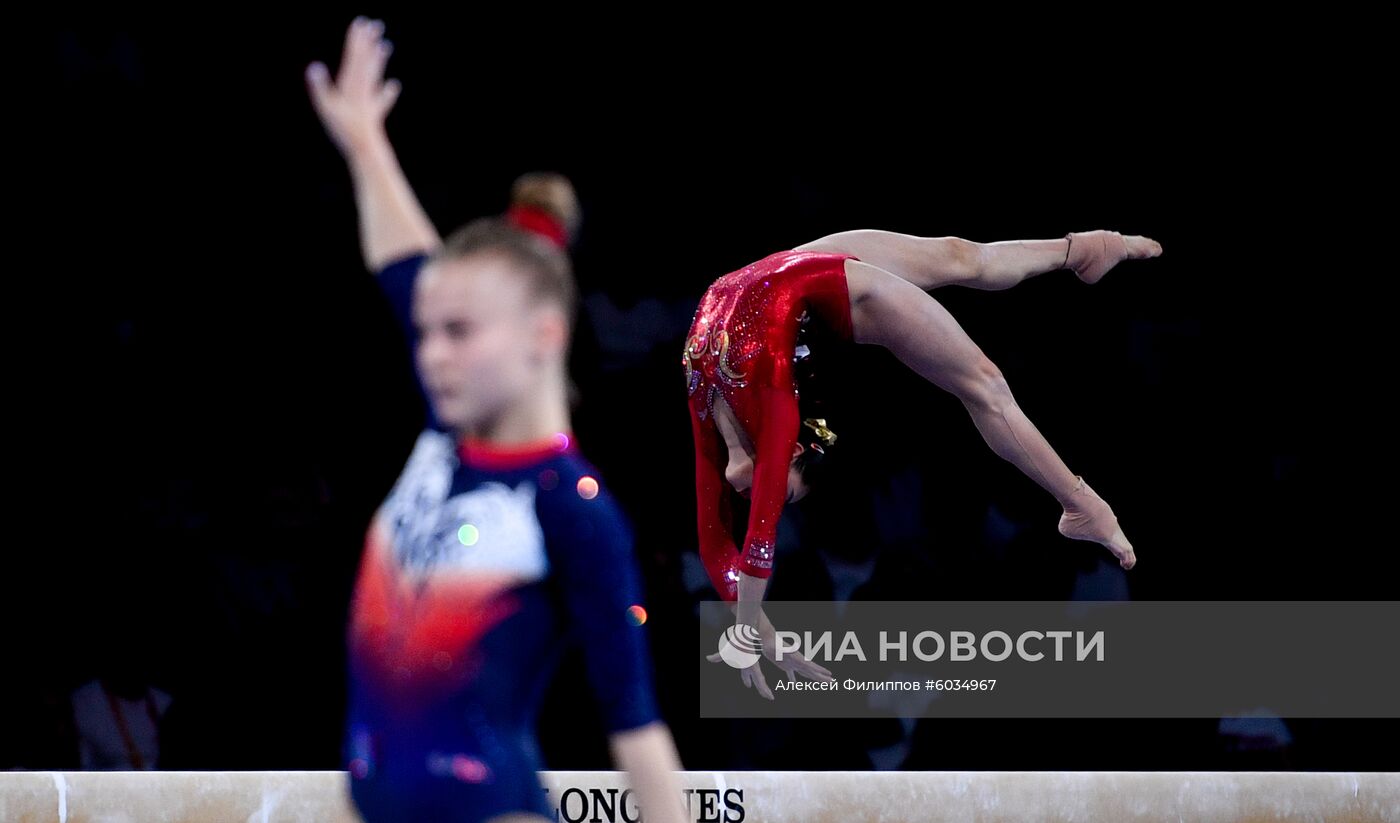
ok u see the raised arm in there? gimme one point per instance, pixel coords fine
(353, 108)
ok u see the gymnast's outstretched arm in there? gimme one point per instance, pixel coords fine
(396, 236)
(932, 262)
(712, 509)
(774, 445)
(353, 108)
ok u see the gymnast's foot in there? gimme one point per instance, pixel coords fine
(1092, 253)
(1088, 517)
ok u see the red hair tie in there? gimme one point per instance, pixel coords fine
(537, 220)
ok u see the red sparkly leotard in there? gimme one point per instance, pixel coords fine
(740, 347)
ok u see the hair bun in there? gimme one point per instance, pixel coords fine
(545, 202)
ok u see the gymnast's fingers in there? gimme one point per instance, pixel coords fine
(761, 684)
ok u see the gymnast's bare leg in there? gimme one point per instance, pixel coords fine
(893, 311)
(934, 262)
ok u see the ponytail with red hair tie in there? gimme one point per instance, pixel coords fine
(539, 221)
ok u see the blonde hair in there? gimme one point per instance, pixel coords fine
(546, 265)
(552, 192)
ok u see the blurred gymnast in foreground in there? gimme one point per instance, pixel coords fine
(497, 544)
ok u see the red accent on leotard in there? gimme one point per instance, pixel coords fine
(502, 457)
(740, 347)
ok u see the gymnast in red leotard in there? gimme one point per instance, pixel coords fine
(868, 286)
(739, 354)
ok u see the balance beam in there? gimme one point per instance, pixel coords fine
(754, 797)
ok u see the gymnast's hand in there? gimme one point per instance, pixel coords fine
(751, 676)
(353, 107)
(792, 662)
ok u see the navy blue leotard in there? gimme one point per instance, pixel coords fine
(478, 569)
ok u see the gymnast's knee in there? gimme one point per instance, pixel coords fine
(983, 386)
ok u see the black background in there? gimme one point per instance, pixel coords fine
(211, 396)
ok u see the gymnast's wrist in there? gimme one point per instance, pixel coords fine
(370, 150)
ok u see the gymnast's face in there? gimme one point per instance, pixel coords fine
(739, 473)
(483, 344)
